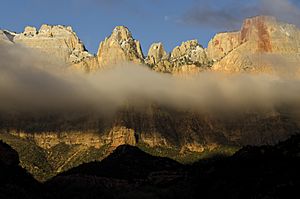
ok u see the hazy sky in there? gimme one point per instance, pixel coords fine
(168, 21)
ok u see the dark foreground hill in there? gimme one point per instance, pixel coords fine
(252, 172)
(15, 182)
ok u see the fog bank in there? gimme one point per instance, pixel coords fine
(30, 82)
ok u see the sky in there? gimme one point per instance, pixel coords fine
(168, 21)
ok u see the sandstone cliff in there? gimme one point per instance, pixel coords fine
(247, 50)
(6, 37)
(244, 50)
(189, 52)
(60, 42)
(118, 48)
(222, 44)
(156, 54)
(188, 58)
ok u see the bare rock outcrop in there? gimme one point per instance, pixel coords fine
(61, 42)
(156, 54)
(222, 44)
(188, 58)
(47, 140)
(246, 50)
(118, 48)
(189, 52)
(6, 37)
(119, 136)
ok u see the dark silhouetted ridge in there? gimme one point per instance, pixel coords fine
(15, 182)
(252, 172)
(126, 162)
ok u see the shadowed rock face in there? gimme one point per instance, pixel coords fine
(49, 148)
(6, 37)
(155, 126)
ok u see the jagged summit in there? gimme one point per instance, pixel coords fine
(227, 51)
(120, 47)
(50, 31)
(189, 52)
(121, 33)
(185, 58)
(60, 42)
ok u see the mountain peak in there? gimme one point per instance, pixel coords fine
(119, 47)
(59, 41)
(47, 30)
(126, 162)
(128, 150)
(266, 18)
(121, 33)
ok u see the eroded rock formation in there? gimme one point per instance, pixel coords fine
(222, 44)
(59, 42)
(118, 48)
(156, 54)
(6, 37)
(188, 58)
(247, 50)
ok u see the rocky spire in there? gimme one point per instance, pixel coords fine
(119, 47)
(188, 58)
(156, 53)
